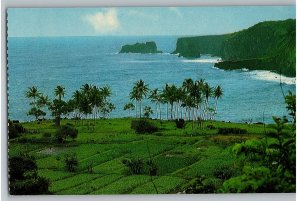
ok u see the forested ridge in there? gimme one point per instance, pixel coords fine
(269, 45)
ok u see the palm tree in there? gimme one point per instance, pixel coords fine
(207, 93)
(166, 98)
(134, 96)
(172, 97)
(142, 90)
(96, 101)
(42, 102)
(218, 93)
(155, 97)
(33, 93)
(59, 91)
(105, 92)
(129, 107)
(77, 96)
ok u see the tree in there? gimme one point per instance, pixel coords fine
(134, 96)
(156, 98)
(35, 111)
(23, 177)
(75, 102)
(106, 107)
(218, 93)
(59, 91)
(33, 93)
(42, 102)
(58, 107)
(139, 91)
(207, 93)
(129, 107)
(290, 101)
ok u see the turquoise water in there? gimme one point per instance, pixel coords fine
(74, 61)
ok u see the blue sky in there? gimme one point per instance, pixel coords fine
(28, 22)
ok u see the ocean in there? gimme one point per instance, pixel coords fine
(46, 62)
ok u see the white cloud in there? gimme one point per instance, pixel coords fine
(104, 22)
(176, 11)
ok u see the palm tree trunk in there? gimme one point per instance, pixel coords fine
(167, 112)
(140, 108)
(171, 110)
(136, 109)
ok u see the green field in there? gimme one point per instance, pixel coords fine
(181, 155)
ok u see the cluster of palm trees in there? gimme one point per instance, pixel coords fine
(191, 101)
(89, 101)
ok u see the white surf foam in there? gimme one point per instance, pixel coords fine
(212, 60)
(271, 76)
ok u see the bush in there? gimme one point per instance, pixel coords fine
(23, 177)
(46, 135)
(19, 166)
(152, 168)
(180, 123)
(225, 131)
(32, 186)
(71, 162)
(204, 185)
(135, 166)
(66, 131)
(142, 126)
(223, 172)
(15, 129)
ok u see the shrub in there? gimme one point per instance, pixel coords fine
(32, 186)
(19, 165)
(71, 162)
(46, 135)
(180, 123)
(223, 172)
(66, 131)
(23, 177)
(211, 127)
(153, 168)
(225, 131)
(135, 166)
(142, 126)
(204, 185)
(15, 129)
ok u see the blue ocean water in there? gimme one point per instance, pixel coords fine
(46, 62)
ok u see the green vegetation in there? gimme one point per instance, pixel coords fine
(269, 45)
(179, 155)
(144, 155)
(148, 47)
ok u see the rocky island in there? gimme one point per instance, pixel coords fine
(269, 45)
(143, 48)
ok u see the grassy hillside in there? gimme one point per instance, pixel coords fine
(265, 46)
(181, 155)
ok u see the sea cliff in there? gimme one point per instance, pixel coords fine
(269, 45)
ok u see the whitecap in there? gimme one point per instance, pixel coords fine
(202, 60)
(271, 76)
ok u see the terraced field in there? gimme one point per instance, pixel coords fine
(181, 155)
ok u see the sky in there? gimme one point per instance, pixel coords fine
(132, 21)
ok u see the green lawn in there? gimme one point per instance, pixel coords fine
(181, 155)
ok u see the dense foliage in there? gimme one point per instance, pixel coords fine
(23, 177)
(64, 132)
(15, 129)
(143, 126)
(267, 45)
